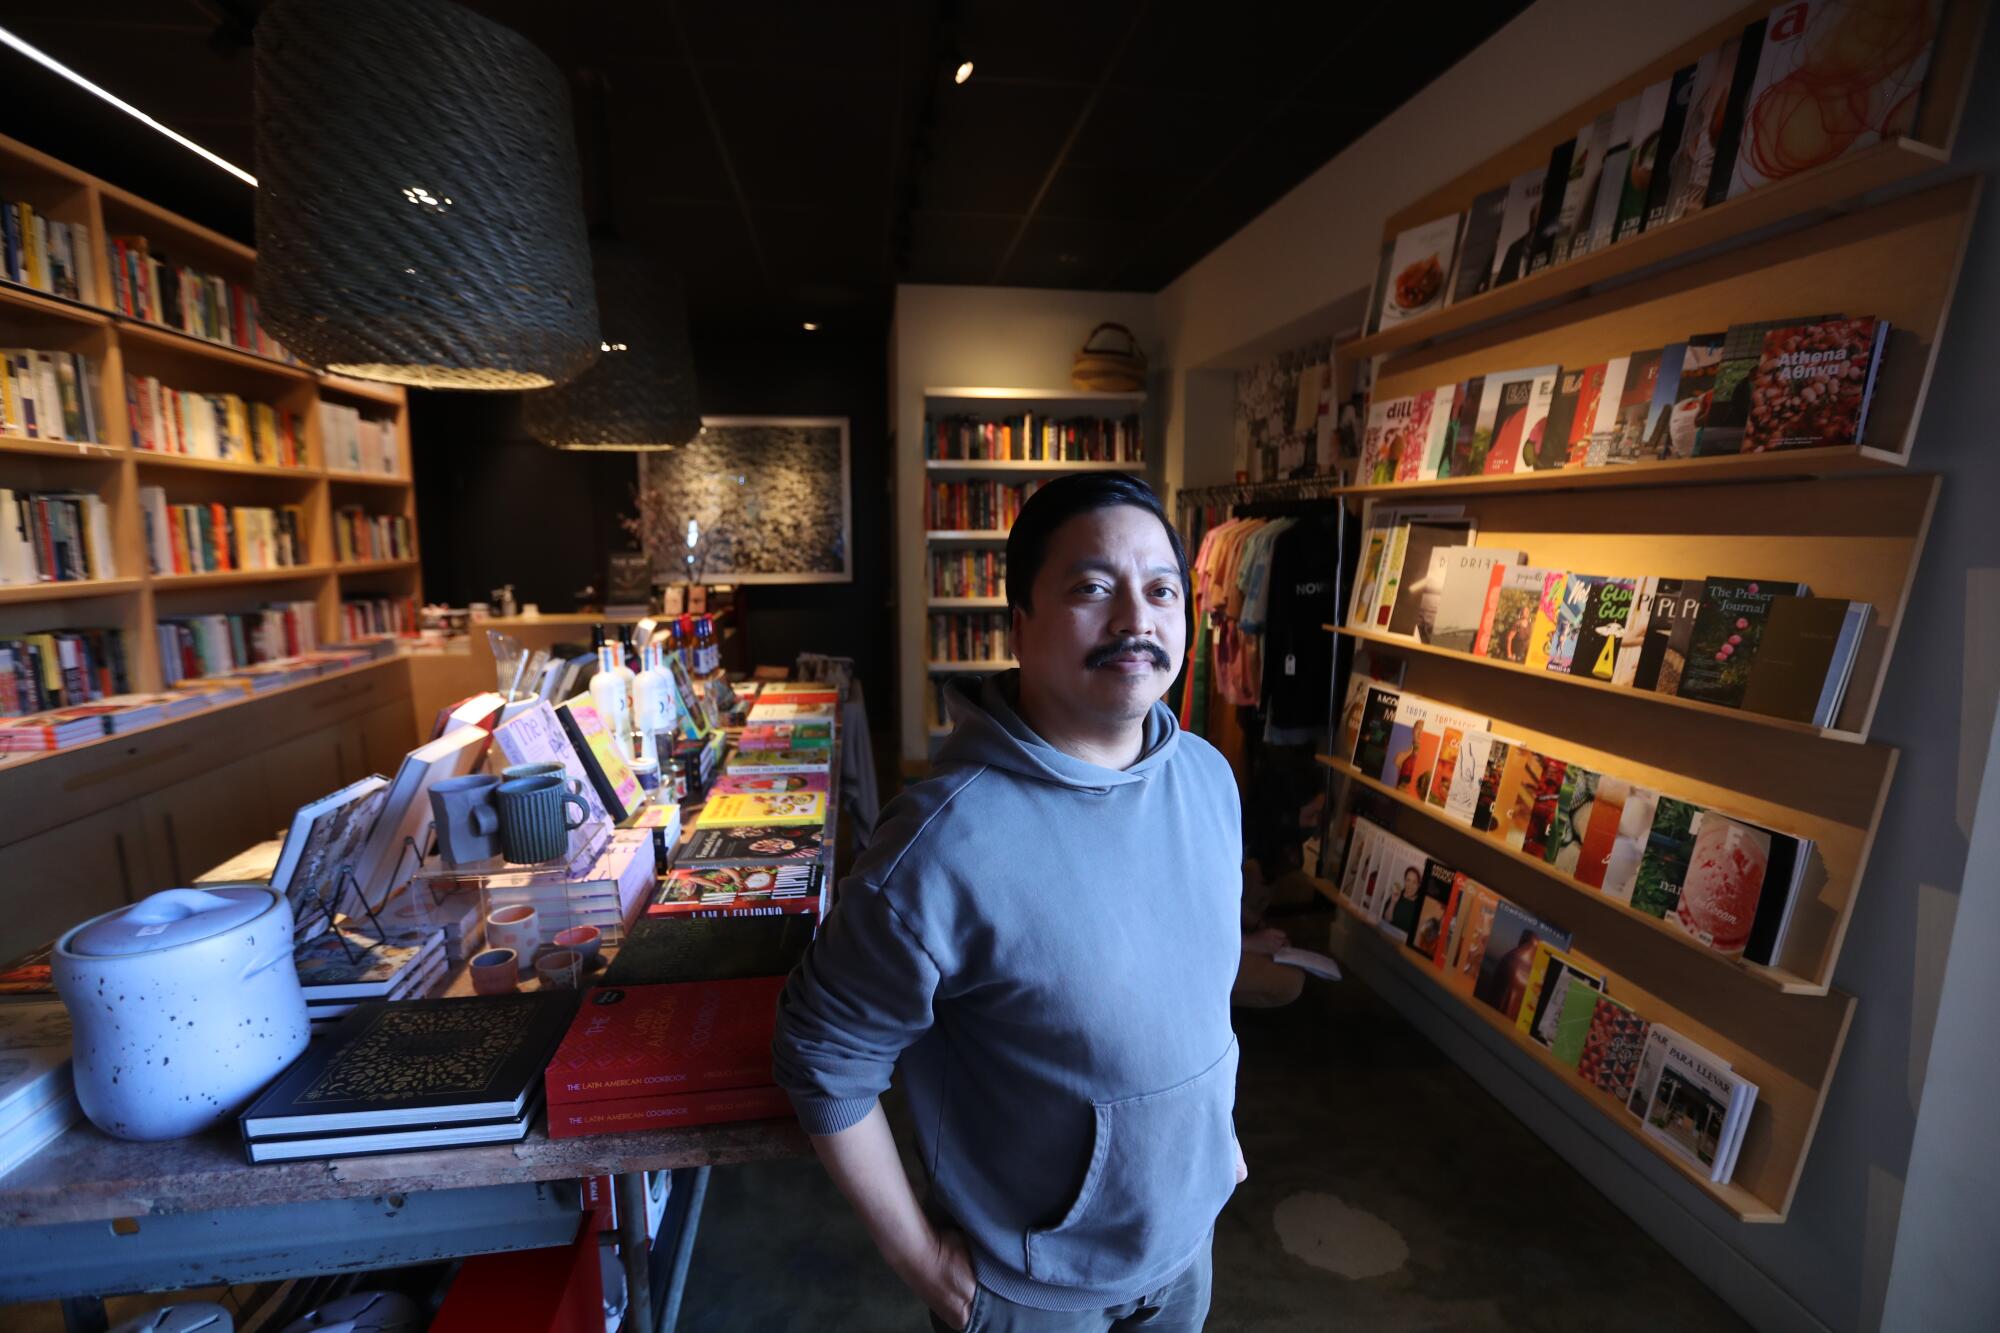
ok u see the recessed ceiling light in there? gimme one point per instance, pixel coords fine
(49, 62)
(811, 327)
(963, 72)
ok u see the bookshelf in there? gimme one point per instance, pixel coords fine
(136, 600)
(1000, 405)
(1882, 232)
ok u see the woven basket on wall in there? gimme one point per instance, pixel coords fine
(1111, 368)
(641, 393)
(419, 218)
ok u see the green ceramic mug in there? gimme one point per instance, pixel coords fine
(532, 823)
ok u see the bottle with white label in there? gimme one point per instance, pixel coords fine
(611, 691)
(653, 707)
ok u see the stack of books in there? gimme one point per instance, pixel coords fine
(795, 889)
(646, 1057)
(350, 963)
(37, 1095)
(426, 1074)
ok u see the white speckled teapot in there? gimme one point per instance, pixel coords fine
(182, 1005)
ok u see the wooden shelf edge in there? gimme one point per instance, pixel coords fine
(1809, 192)
(963, 535)
(1777, 979)
(225, 577)
(55, 307)
(1394, 643)
(372, 566)
(1736, 1200)
(991, 664)
(67, 450)
(388, 395)
(147, 458)
(339, 477)
(22, 593)
(160, 335)
(967, 604)
(1834, 460)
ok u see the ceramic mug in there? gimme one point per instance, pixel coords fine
(517, 928)
(532, 823)
(467, 822)
(547, 768)
(495, 972)
(585, 940)
(560, 969)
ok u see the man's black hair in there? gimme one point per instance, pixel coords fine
(1062, 500)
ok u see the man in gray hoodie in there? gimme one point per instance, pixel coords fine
(1042, 936)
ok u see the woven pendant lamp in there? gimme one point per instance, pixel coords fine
(640, 395)
(419, 218)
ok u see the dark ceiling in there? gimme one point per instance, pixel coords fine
(800, 158)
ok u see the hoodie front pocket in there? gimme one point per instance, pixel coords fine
(1161, 1166)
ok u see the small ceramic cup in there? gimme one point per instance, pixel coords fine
(495, 972)
(517, 928)
(560, 969)
(585, 940)
(549, 768)
(534, 818)
(467, 822)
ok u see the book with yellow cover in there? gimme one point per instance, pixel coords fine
(1550, 977)
(763, 807)
(1548, 616)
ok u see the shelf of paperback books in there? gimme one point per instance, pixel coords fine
(1849, 544)
(964, 535)
(968, 603)
(1830, 331)
(974, 666)
(147, 459)
(1791, 1081)
(1392, 644)
(973, 467)
(1684, 155)
(227, 577)
(1486, 849)
(60, 591)
(22, 446)
(174, 342)
(15, 299)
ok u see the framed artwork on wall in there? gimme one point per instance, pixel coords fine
(752, 500)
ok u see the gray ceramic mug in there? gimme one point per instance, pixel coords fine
(532, 827)
(467, 822)
(547, 768)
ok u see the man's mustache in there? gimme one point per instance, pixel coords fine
(1099, 656)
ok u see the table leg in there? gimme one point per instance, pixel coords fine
(684, 1250)
(629, 1188)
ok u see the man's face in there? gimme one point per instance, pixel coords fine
(1109, 626)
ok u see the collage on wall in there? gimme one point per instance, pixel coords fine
(1300, 414)
(752, 500)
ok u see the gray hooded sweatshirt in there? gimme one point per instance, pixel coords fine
(1046, 948)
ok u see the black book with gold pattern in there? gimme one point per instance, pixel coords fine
(410, 1064)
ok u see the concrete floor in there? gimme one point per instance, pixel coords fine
(1388, 1193)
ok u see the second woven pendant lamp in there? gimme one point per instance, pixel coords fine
(419, 218)
(640, 396)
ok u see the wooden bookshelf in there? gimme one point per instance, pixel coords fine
(937, 668)
(135, 600)
(976, 467)
(968, 603)
(1782, 1123)
(1882, 232)
(965, 535)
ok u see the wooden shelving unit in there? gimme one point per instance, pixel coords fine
(973, 467)
(968, 603)
(1865, 235)
(964, 535)
(936, 668)
(136, 599)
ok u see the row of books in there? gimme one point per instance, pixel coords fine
(54, 537)
(1754, 388)
(357, 443)
(969, 573)
(113, 715)
(152, 287)
(1725, 882)
(362, 616)
(1767, 646)
(975, 506)
(360, 535)
(356, 960)
(48, 395)
(1028, 438)
(968, 636)
(48, 255)
(37, 1090)
(193, 647)
(56, 668)
(212, 537)
(212, 425)
(1494, 952)
(1786, 95)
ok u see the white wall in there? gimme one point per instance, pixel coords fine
(1896, 1217)
(955, 337)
